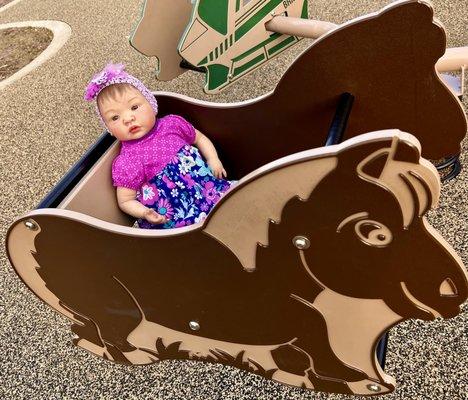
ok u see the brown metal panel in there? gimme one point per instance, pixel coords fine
(95, 195)
(387, 61)
(353, 253)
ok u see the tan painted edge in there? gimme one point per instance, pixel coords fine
(62, 33)
(211, 104)
(6, 6)
(270, 167)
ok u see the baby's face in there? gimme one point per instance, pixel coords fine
(128, 116)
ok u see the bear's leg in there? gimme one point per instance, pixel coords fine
(86, 331)
(108, 314)
(295, 361)
(89, 338)
(312, 338)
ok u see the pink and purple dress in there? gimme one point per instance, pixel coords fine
(169, 174)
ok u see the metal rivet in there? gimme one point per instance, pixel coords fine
(229, 76)
(301, 242)
(194, 325)
(31, 225)
(374, 387)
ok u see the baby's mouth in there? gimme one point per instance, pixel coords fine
(134, 129)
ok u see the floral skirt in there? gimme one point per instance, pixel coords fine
(184, 191)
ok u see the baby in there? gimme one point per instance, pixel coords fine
(160, 177)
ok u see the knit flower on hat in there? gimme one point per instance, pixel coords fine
(103, 79)
(116, 74)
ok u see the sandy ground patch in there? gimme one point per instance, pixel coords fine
(19, 46)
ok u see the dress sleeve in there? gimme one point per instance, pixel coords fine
(184, 128)
(127, 173)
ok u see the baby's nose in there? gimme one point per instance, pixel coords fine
(129, 117)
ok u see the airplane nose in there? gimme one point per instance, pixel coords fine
(448, 288)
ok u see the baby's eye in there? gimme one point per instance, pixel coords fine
(134, 107)
(115, 118)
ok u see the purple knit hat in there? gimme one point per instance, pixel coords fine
(110, 75)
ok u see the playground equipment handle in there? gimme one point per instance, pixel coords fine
(453, 59)
(335, 136)
(340, 119)
(302, 27)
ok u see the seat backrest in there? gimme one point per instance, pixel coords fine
(95, 195)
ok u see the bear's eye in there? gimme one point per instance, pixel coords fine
(373, 233)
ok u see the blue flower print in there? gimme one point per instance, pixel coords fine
(204, 170)
(186, 163)
(186, 190)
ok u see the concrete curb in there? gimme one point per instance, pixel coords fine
(7, 6)
(62, 33)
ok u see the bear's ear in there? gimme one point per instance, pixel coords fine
(400, 150)
(405, 151)
(375, 166)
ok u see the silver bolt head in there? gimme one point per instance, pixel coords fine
(301, 242)
(194, 325)
(31, 225)
(373, 387)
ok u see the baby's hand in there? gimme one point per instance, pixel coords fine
(153, 217)
(217, 168)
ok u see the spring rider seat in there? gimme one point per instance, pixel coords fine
(301, 268)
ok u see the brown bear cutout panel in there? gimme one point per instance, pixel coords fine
(133, 293)
(386, 60)
(158, 33)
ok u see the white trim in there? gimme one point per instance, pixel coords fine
(62, 33)
(6, 6)
(280, 163)
(211, 104)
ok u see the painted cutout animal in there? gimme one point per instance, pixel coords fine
(227, 37)
(272, 282)
(169, 19)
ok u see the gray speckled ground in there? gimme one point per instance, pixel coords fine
(45, 127)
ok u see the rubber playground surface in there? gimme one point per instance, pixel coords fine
(45, 128)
